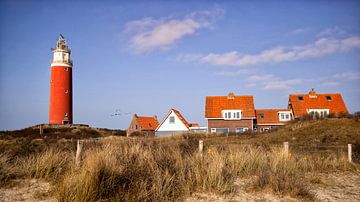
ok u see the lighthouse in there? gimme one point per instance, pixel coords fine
(61, 84)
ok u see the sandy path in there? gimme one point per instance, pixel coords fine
(27, 190)
(337, 187)
(330, 187)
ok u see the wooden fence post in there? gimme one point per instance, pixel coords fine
(78, 154)
(41, 129)
(286, 148)
(201, 147)
(350, 153)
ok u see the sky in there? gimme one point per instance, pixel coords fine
(148, 57)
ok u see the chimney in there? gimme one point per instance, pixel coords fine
(155, 117)
(135, 115)
(312, 93)
(231, 96)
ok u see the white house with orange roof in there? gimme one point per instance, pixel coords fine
(174, 123)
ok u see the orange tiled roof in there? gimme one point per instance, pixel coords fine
(182, 119)
(215, 104)
(147, 123)
(270, 116)
(193, 124)
(316, 101)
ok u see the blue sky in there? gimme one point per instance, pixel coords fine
(147, 57)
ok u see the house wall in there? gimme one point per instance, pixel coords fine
(166, 126)
(132, 127)
(231, 124)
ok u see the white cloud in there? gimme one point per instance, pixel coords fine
(271, 82)
(321, 47)
(333, 31)
(150, 34)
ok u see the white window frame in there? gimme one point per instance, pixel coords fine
(264, 130)
(283, 114)
(214, 130)
(321, 112)
(243, 129)
(234, 114)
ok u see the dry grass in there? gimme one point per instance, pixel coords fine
(136, 172)
(163, 169)
(50, 165)
(6, 170)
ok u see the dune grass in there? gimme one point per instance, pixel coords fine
(171, 168)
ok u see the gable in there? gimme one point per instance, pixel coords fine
(215, 104)
(179, 123)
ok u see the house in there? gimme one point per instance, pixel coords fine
(316, 104)
(267, 119)
(174, 123)
(145, 125)
(229, 113)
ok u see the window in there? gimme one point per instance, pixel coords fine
(231, 114)
(264, 129)
(328, 98)
(66, 91)
(220, 130)
(136, 127)
(319, 112)
(261, 116)
(66, 68)
(301, 98)
(284, 116)
(241, 130)
(172, 119)
(66, 114)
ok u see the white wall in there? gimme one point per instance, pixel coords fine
(177, 126)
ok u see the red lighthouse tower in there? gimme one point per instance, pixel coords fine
(61, 84)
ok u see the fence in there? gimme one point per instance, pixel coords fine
(286, 146)
(202, 143)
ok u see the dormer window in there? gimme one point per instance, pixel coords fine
(301, 98)
(284, 115)
(328, 98)
(231, 114)
(261, 116)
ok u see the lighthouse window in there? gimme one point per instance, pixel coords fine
(66, 69)
(66, 91)
(66, 114)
